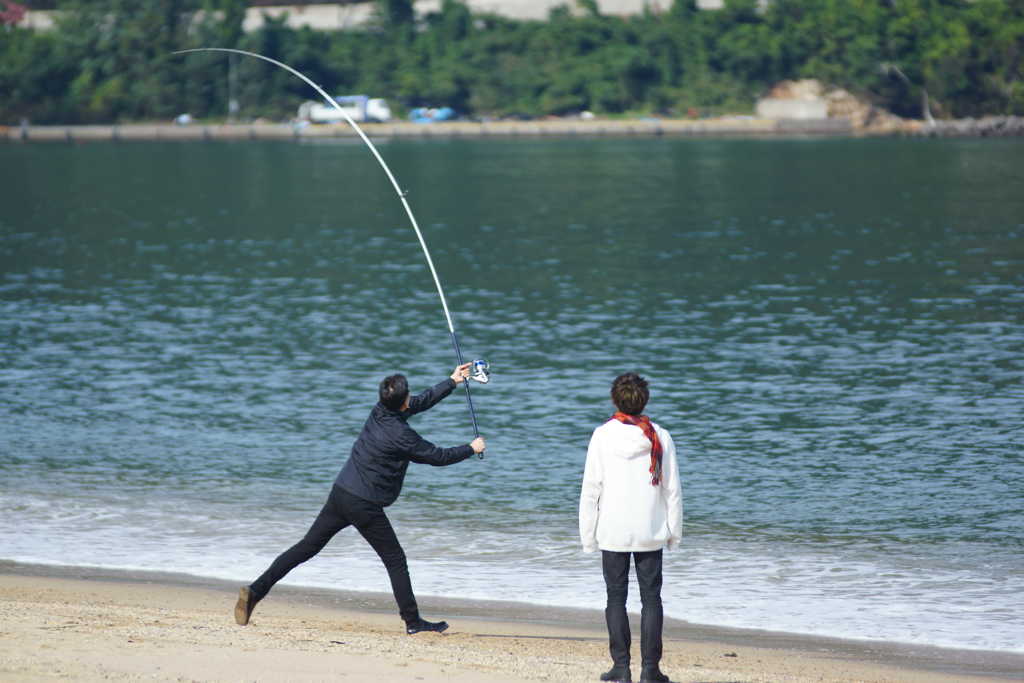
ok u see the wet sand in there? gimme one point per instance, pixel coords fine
(88, 624)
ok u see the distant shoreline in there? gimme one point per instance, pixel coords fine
(736, 126)
(718, 127)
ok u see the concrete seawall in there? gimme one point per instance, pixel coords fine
(740, 126)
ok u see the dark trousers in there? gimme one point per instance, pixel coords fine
(616, 580)
(343, 509)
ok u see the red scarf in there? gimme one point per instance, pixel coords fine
(644, 423)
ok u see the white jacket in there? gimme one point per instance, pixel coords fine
(619, 508)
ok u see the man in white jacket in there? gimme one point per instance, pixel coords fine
(631, 505)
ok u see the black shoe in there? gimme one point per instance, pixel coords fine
(245, 605)
(424, 625)
(618, 674)
(653, 675)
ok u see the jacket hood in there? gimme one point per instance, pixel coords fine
(629, 440)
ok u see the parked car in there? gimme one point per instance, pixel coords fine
(431, 114)
(361, 108)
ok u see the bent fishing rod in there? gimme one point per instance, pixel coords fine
(479, 366)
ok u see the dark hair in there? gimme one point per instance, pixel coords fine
(393, 391)
(629, 393)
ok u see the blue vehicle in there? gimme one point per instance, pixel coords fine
(431, 114)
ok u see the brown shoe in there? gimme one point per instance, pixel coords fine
(244, 606)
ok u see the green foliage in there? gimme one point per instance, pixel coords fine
(110, 60)
(123, 71)
(395, 13)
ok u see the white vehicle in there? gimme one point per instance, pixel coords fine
(361, 108)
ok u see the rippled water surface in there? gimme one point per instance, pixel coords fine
(192, 335)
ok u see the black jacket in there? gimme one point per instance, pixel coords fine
(380, 456)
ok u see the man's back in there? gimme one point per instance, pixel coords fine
(375, 469)
(631, 508)
(620, 510)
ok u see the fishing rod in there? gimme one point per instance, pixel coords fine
(480, 368)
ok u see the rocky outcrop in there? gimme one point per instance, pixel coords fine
(833, 103)
(867, 119)
(989, 126)
(864, 116)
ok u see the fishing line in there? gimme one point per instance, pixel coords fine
(398, 190)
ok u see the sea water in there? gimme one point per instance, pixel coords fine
(833, 331)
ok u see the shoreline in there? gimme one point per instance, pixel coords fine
(573, 639)
(720, 127)
(558, 128)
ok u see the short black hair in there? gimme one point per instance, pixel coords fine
(629, 393)
(393, 391)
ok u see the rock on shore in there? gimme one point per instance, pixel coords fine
(868, 119)
(836, 103)
(988, 126)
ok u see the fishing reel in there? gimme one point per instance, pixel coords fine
(481, 371)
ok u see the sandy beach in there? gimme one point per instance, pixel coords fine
(87, 624)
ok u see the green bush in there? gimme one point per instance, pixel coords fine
(110, 60)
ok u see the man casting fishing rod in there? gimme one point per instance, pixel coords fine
(370, 480)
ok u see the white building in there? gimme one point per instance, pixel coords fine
(345, 15)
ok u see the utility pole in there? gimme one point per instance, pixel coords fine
(232, 100)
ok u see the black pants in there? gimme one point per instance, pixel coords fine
(343, 509)
(616, 580)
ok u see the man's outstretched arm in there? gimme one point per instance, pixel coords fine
(422, 451)
(432, 396)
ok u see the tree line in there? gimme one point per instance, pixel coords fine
(109, 60)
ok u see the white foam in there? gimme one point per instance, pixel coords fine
(845, 592)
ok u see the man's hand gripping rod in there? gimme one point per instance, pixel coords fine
(394, 183)
(458, 354)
